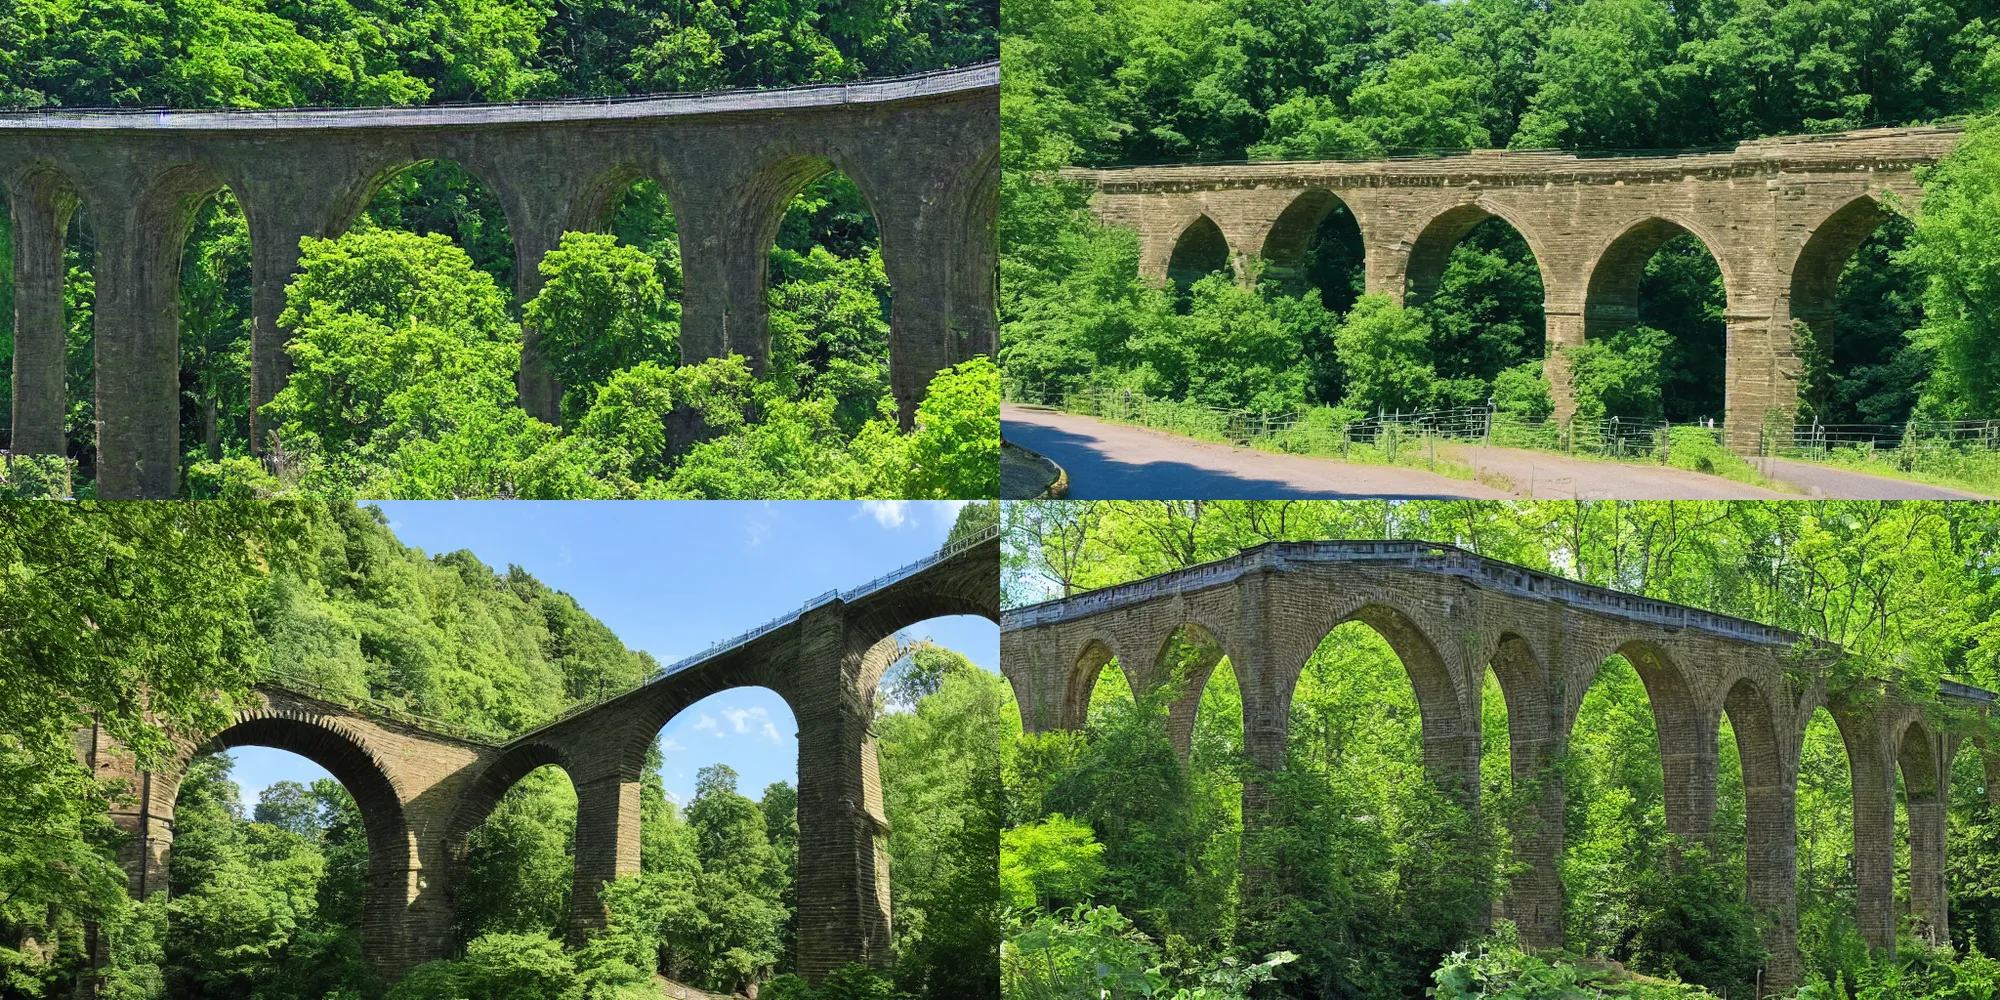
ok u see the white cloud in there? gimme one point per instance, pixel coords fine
(707, 722)
(670, 745)
(887, 513)
(752, 721)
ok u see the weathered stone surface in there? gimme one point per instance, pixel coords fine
(1451, 615)
(1781, 216)
(421, 793)
(923, 150)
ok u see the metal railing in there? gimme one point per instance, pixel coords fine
(946, 552)
(1319, 431)
(1815, 438)
(301, 684)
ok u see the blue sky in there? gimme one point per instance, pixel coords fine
(670, 578)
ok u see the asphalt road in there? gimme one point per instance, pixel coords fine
(1119, 462)
(1108, 461)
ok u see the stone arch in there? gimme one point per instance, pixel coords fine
(490, 181)
(1451, 744)
(1431, 248)
(1200, 250)
(1816, 271)
(1291, 235)
(486, 790)
(1090, 662)
(1186, 689)
(41, 201)
(1611, 283)
(1684, 727)
(394, 866)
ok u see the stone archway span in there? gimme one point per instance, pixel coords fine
(1291, 234)
(1815, 272)
(1612, 270)
(1430, 242)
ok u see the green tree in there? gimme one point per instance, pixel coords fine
(602, 309)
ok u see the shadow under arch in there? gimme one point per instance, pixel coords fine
(1297, 246)
(1431, 249)
(1083, 677)
(1199, 251)
(1611, 290)
(1816, 270)
(1919, 760)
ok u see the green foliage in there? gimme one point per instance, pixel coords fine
(398, 336)
(1498, 966)
(956, 449)
(1619, 376)
(1049, 862)
(602, 309)
(1385, 349)
(1957, 247)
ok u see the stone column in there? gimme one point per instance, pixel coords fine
(541, 394)
(843, 908)
(975, 319)
(40, 207)
(920, 335)
(607, 845)
(274, 261)
(1688, 755)
(727, 225)
(1873, 782)
(1535, 896)
(137, 331)
(1762, 378)
(1771, 865)
(1926, 780)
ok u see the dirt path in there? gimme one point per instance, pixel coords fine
(1118, 462)
(1541, 474)
(1845, 484)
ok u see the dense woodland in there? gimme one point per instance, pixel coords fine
(193, 603)
(1123, 866)
(1102, 84)
(407, 337)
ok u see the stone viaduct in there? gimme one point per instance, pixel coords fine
(1781, 216)
(422, 790)
(924, 150)
(1449, 615)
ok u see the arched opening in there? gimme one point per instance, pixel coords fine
(1853, 305)
(1376, 811)
(1315, 246)
(215, 337)
(1657, 300)
(1201, 250)
(1653, 872)
(1480, 288)
(830, 298)
(937, 735)
(718, 828)
(302, 863)
(1829, 936)
(608, 297)
(516, 873)
(442, 197)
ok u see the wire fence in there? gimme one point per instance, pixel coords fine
(1394, 435)
(1813, 439)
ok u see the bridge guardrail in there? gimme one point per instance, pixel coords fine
(948, 551)
(307, 686)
